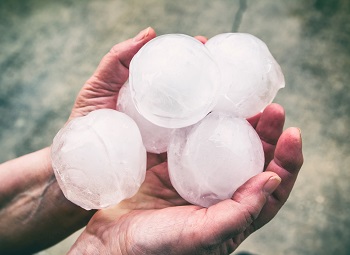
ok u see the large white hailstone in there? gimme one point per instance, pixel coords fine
(174, 81)
(211, 159)
(251, 76)
(99, 159)
(155, 138)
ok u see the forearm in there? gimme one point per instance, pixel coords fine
(34, 213)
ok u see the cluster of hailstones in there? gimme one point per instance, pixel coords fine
(184, 97)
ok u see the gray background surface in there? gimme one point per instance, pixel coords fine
(49, 48)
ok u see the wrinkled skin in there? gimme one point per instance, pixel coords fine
(157, 220)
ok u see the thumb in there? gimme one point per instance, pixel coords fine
(233, 217)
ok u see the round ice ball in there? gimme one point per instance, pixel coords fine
(211, 159)
(155, 138)
(174, 81)
(251, 76)
(99, 159)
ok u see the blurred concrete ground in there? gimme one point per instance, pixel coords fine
(49, 48)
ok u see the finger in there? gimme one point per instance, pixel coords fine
(287, 162)
(232, 217)
(254, 120)
(201, 38)
(270, 128)
(101, 90)
(113, 69)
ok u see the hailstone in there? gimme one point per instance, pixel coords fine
(211, 159)
(99, 159)
(251, 76)
(155, 138)
(174, 81)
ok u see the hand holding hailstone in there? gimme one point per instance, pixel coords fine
(186, 97)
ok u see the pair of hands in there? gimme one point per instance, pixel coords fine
(157, 220)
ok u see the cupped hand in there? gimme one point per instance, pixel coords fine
(157, 220)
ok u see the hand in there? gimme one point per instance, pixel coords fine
(157, 220)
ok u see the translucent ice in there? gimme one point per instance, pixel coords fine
(174, 81)
(251, 76)
(210, 160)
(99, 159)
(155, 138)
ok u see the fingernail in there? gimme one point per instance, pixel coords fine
(299, 131)
(272, 184)
(141, 35)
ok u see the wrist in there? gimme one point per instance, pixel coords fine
(32, 205)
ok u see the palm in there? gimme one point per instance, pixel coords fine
(156, 204)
